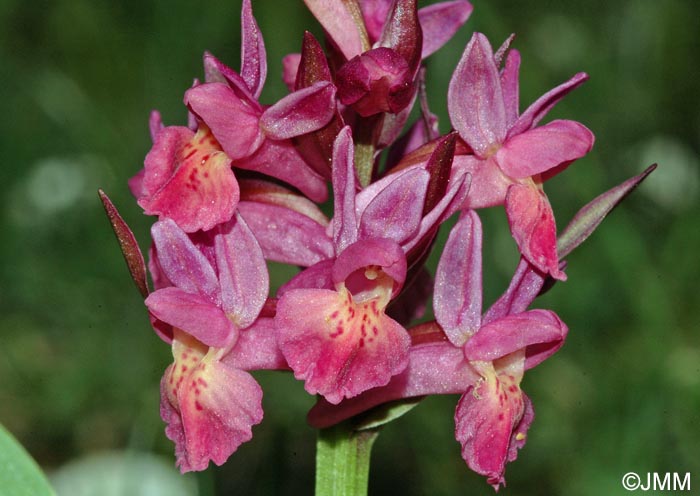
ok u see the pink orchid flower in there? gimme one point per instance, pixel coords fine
(458, 354)
(219, 286)
(512, 157)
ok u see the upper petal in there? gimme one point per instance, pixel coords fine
(475, 99)
(300, 112)
(440, 22)
(458, 285)
(253, 56)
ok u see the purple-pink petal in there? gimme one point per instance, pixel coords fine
(535, 112)
(475, 99)
(340, 25)
(182, 263)
(301, 112)
(543, 148)
(380, 252)
(458, 284)
(197, 315)
(233, 122)
(440, 22)
(253, 57)
(539, 332)
(344, 219)
(242, 272)
(396, 211)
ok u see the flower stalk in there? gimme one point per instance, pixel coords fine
(343, 459)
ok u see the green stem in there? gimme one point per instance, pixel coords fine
(342, 461)
(365, 136)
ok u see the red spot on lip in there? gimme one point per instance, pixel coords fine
(512, 388)
(362, 343)
(375, 330)
(198, 406)
(201, 381)
(334, 315)
(501, 416)
(192, 152)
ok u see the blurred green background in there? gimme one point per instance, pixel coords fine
(80, 367)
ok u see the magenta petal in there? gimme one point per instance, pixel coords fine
(256, 348)
(217, 407)
(216, 71)
(524, 287)
(155, 124)
(279, 159)
(291, 238)
(344, 220)
(182, 262)
(440, 22)
(339, 348)
(395, 213)
(301, 112)
(539, 332)
(475, 99)
(194, 314)
(488, 183)
(511, 87)
(485, 418)
(532, 224)
(242, 272)
(543, 148)
(458, 285)
(544, 104)
(253, 57)
(233, 123)
(317, 276)
(339, 24)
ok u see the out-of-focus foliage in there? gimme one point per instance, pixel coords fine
(79, 365)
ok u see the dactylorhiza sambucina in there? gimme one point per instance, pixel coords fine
(242, 183)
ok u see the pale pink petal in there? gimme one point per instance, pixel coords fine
(488, 183)
(256, 348)
(485, 418)
(402, 33)
(396, 212)
(231, 120)
(285, 235)
(217, 407)
(344, 219)
(532, 224)
(440, 22)
(155, 124)
(253, 57)
(340, 25)
(511, 88)
(279, 159)
(317, 276)
(539, 332)
(242, 272)
(475, 99)
(216, 71)
(301, 112)
(339, 348)
(375, 13)
(544, 148)
(194, 314)
(183, 264)
(524, 287)
(458, 284)
(544, 104)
